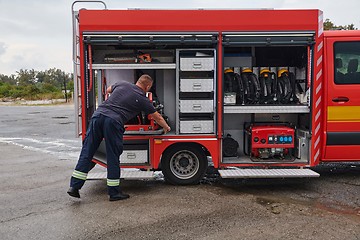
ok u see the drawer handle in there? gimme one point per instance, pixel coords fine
(197, 128)
(196, 86)
(197, 65)
(130, 155)
(197, 107)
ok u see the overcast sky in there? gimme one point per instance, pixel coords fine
(37, 34)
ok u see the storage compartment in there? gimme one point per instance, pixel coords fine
(196, 106)
(267, 75)
(196, 85)
(201, 126)
(196, 91)
(266, 88)
(271, 130)
(134, 157)
(135, 152)
(197, 64)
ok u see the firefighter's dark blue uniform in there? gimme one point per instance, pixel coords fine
(107, 123)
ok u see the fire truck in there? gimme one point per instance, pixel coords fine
(251, 93)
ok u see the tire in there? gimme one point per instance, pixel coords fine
(184, 164)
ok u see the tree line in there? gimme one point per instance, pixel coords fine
(328, 25)
(33, 85)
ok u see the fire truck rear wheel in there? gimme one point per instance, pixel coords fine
(184, 164)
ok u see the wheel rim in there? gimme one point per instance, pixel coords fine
(184, 164)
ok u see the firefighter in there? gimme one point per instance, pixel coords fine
(126, 100)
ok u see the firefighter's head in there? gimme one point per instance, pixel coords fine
(145, 82)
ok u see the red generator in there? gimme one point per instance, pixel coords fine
(270, 142)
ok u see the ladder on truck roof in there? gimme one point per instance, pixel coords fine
(76, 66)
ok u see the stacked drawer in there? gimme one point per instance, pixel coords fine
(196, 94)
(135, 152)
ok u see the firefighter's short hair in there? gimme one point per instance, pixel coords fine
(145, 80)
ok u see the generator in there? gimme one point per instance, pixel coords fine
(272, 142)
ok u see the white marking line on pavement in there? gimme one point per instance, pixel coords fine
(54, 147)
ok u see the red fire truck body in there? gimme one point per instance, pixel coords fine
(219, 75)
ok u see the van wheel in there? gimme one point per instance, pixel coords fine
(184, 164)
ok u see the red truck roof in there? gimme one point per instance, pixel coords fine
(199, 20)
(342, 33)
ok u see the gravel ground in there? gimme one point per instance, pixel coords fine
(38, 153)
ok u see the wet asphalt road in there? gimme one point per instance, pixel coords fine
(38, 152)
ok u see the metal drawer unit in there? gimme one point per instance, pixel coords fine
(136, 152)
(196, 85)
(201, 126)
(195, 80)
(197, 64)
(196, 106)
(134, 156)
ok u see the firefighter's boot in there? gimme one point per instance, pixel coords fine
(74, 192)
(116, 194)
(119, 196)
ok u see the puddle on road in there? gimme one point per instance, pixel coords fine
(36, 112)
(271, 205)
(275, 194)
(264, 201)
(332, 207)
(337, 208)
(60, 117)
(10, 120)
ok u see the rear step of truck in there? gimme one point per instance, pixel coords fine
(268, 173)
(127, 175)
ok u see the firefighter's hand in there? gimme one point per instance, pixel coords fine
(167, 129)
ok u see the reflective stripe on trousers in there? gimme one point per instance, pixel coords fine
(113, 182)
(79, 175)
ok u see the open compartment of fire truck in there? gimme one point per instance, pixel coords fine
(183, 69)
(266, 104)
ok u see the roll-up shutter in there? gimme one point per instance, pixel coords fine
(268, 38)
(150, 38)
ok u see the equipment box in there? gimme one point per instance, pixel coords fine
(134, 156)
(201, 126)
(135, 152)
(196, 106)
(196, 85)
(197, 64)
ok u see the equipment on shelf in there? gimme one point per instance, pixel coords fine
(270, 142)
(128, 57)
(268, 83)
(286, 87)
(269, 88)
(230, 146)
(251, 86)
(142, 123)
(233, 85)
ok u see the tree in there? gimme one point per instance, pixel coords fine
(26, 77)
(8, 79)
(328, 25)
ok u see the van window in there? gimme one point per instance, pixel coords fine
(346, 62)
